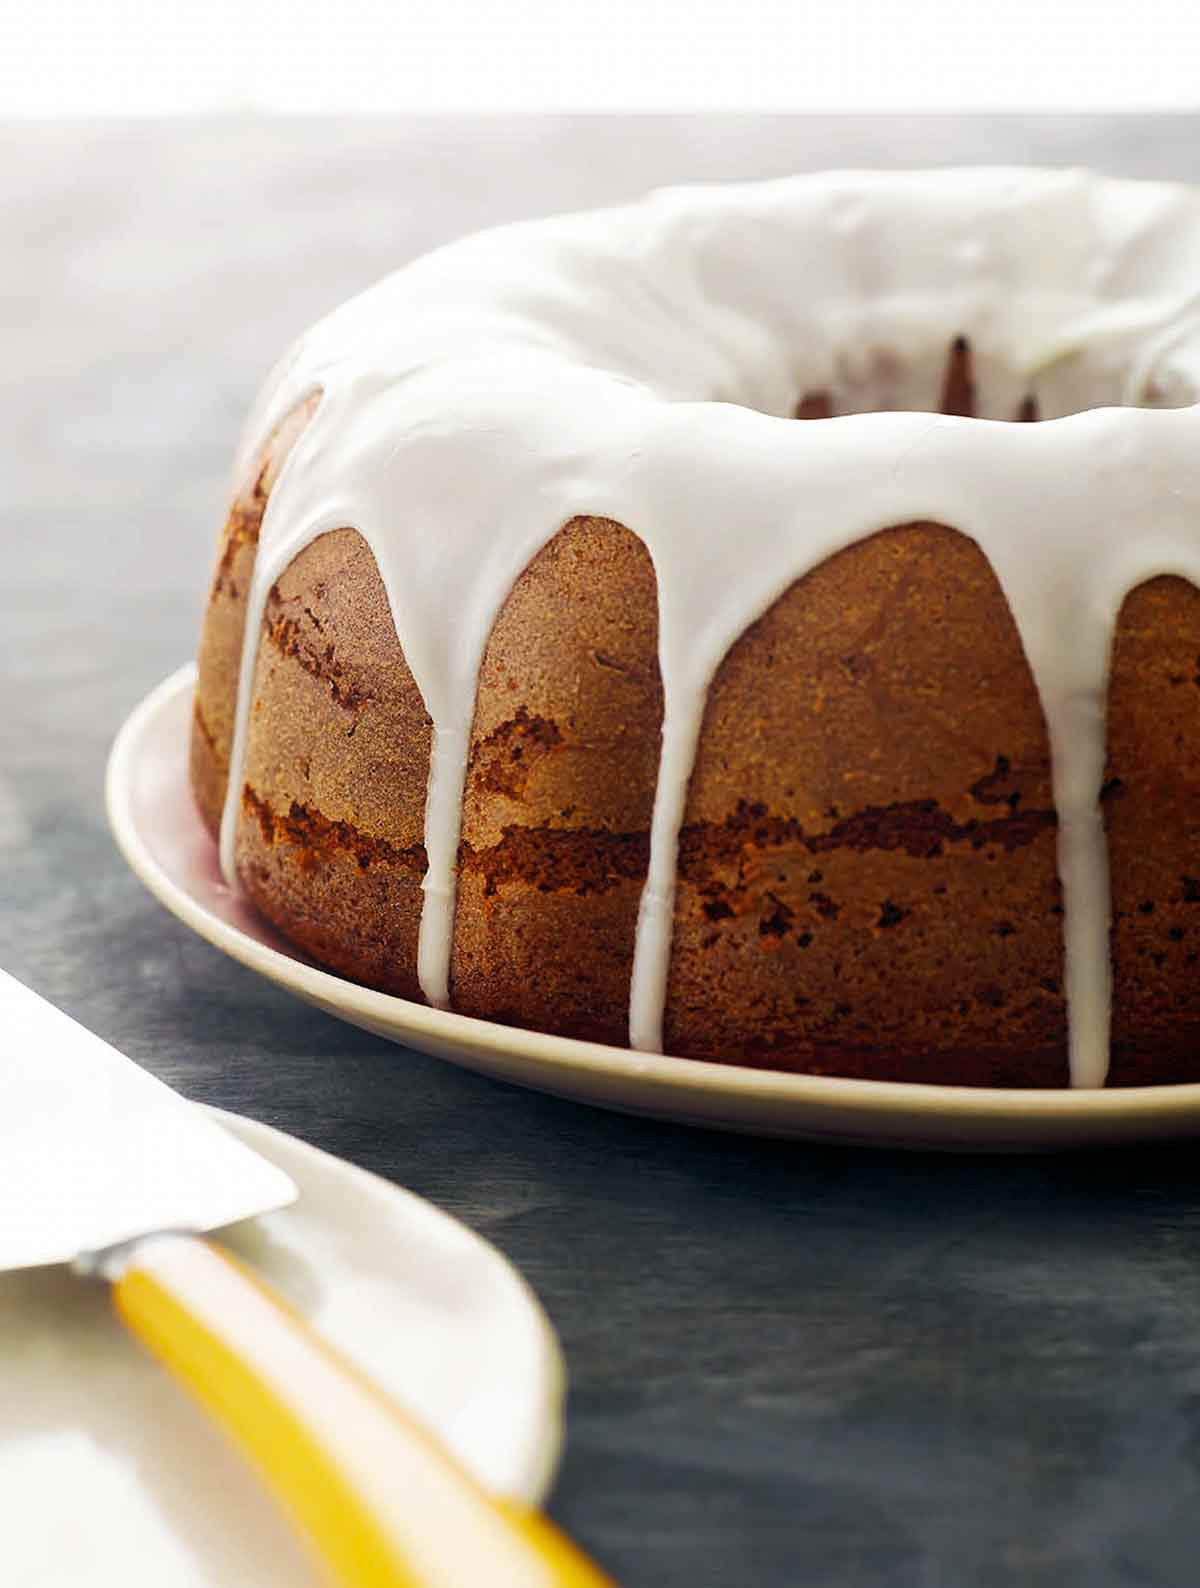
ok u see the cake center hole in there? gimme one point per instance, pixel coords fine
(962, 391)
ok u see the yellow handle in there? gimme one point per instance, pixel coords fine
(383, 1503)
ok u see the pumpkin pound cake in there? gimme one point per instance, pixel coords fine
(758, 624)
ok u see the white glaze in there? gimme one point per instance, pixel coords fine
(642, 363)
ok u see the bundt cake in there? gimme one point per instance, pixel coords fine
(555, 674)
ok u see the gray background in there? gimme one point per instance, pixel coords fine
(789, 1366)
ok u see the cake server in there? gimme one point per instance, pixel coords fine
(104, 1166)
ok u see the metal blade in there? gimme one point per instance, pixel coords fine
(93, 1150)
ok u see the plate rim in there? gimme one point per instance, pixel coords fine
(540, 1465)
(676, 1080)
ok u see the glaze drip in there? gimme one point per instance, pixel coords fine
(643, 364)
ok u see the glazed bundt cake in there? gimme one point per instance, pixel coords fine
(555, 674)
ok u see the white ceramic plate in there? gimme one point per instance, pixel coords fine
(109, 1476)
(155, 823)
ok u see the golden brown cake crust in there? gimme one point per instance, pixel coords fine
(220, 652)
(1153, 822)
(867, 881)
(828, 923)
(330, 837)
(560, 790)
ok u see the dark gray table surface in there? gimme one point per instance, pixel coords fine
(789, 1365)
